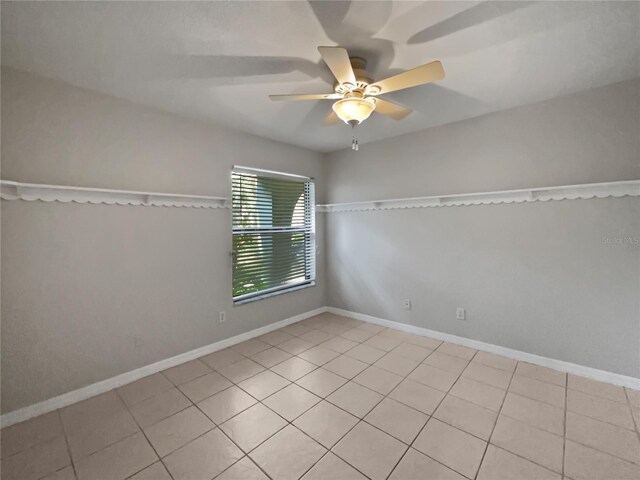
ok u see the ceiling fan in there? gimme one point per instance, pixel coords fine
(357, 94)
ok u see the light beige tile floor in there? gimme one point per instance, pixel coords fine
(335, 398)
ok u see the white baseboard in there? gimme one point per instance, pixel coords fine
(568, 367)
(83, 393)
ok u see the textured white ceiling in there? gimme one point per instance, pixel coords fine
(218, 61)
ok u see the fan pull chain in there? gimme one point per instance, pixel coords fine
(354, 138)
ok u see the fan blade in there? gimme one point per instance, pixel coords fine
(390, 109)
(337, 59)
(306, 96)
(330, 119)
(411, 78)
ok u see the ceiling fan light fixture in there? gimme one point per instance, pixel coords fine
(354, 111)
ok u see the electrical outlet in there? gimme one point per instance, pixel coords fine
(222, 317)
(406, 304)
(460, 313)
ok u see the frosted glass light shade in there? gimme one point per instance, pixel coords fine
(354, 110)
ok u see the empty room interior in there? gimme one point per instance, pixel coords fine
(320, 240)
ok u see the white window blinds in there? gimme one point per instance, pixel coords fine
(273, 233)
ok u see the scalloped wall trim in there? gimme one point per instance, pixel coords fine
(57, 193)
(65, 194)
(568, 192)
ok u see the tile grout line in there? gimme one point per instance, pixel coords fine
(525, 458)
(582, 414)
(348, 380)
(564, 436)
(532, 426)
(289, 423)
(514, 453)
(430, 416)
(66, 441)
(369, 364)
(504, 399)
(434, 411)
(145, 435)
(112, 443)
(328, 450)
(612, 455)
(579, 442)
(193, 404)
(608, 422)
(324, 399)
(633, 417)
(530, 397)
(244, 454)
(216, 425)
(538, 428)
(247, 453)
(260, 401)
(233, 384)
(109, 445)
(338, 353)
(360, 420)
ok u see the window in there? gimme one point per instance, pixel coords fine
(273, 233)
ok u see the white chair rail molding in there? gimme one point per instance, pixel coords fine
(566, 192)
(11, 190)
(65, 194)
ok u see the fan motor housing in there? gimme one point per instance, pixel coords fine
(363, 80)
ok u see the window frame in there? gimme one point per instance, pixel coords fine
(310, 213)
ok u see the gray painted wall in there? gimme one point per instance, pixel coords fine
(583, 138)
(79, 282)
(535, 277)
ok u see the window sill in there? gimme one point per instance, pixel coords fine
(261, 296)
